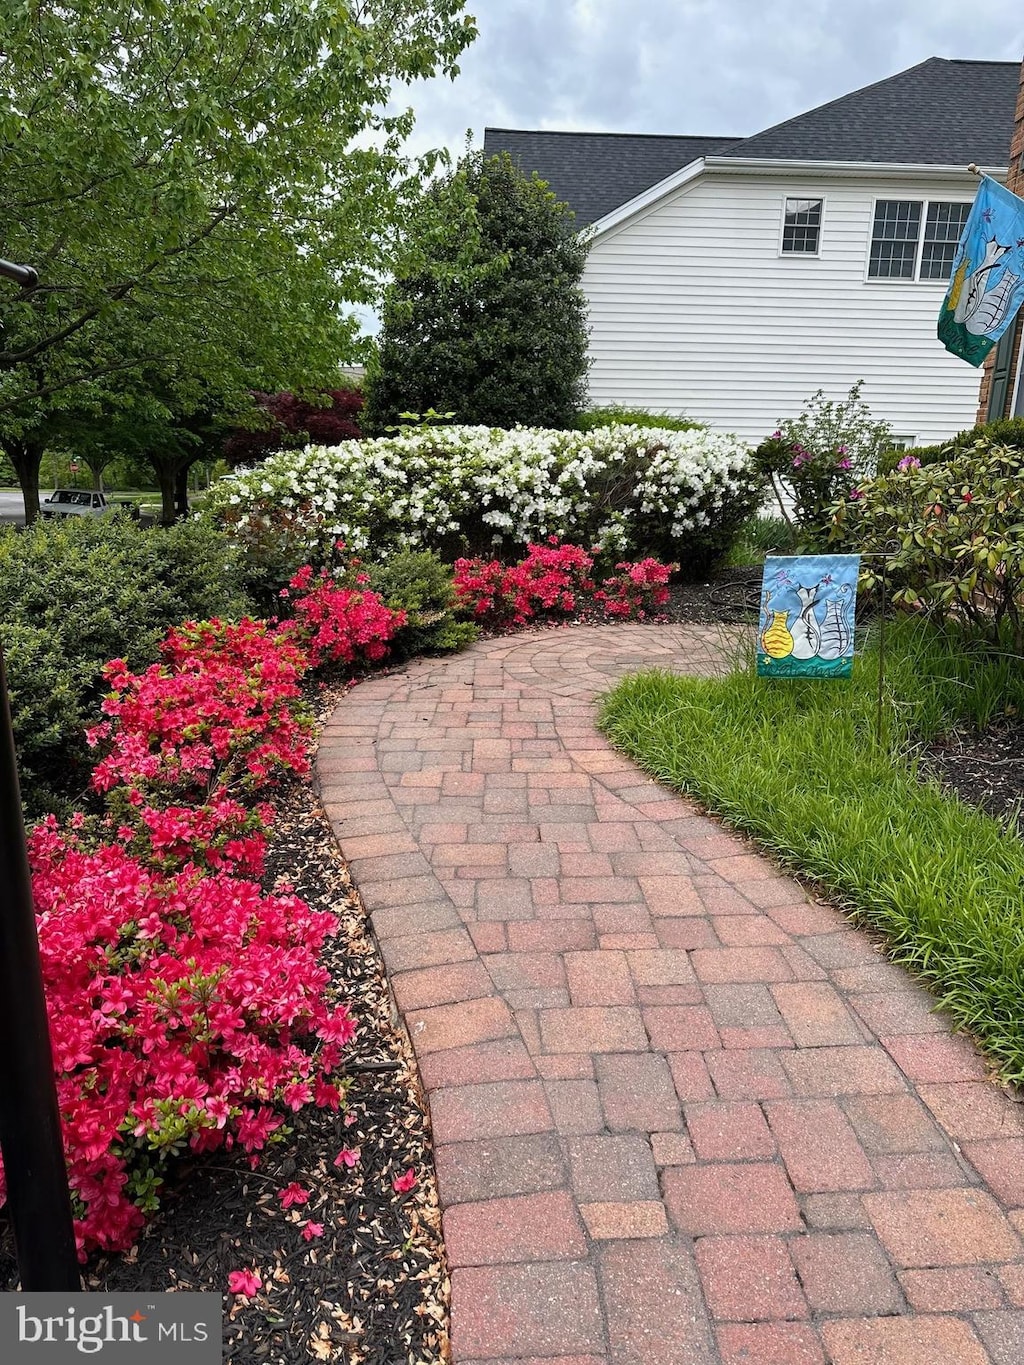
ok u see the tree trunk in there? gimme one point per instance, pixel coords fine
(26, 457)
(181, 492)
(167, 478)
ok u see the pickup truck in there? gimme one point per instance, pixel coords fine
(75, 502)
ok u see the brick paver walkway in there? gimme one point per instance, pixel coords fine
(682, 1113)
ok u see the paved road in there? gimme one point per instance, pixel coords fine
(683, 1113)
(12, 508)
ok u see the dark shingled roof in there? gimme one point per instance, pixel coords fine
(939, 113)
(596, 172)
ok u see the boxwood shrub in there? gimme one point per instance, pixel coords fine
(74, 594)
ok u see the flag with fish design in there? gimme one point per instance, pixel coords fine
(807, 616)
(987, 287)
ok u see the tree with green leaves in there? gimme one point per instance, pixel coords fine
(201, 188)
(488, 321)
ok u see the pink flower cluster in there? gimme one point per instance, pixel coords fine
(188, 1008)
(338, 624)
(637, 591)
(220, 711)
(186, 1011)
(556, 578)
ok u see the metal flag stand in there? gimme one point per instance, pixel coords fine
(30, 1130)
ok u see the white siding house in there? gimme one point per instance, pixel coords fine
(696, 309)
(730, 278)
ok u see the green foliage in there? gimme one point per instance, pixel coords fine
(679, 495)
(757, 537)
(490, 321)
(796, 765)
(75, 594)
(202, 186)
(1007, 431)
(419, 584)
(820, 455)
(614, 415)
(957, 535)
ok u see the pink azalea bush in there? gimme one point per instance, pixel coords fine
(556, 579)
(189, 1010)
(338, 624)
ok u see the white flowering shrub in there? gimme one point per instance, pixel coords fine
(628, 490)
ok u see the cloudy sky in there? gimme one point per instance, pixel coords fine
(720, 67)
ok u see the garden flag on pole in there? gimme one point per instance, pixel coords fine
(807, 611)
(987, 287)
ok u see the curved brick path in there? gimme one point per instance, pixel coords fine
(682, 1114)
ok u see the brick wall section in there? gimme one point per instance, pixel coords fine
(1014, 182)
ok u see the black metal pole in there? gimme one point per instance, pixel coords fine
(30, 1133)
(25, 275)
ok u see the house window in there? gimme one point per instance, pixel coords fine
(801, 227)
(899, 248)
(942, 228)
(902, 442)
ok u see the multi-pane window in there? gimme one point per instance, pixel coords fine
(801, 227)
(942, 228)
(899, 249)
(894, 239)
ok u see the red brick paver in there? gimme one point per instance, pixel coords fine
(683, 1113)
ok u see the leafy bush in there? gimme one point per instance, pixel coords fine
(420, 585)
(957, 532)
(287, 420)
(456, 490)
(337, 624)
(614, 415)
(556, 580)
(189, 1010)
(1007, 431)
(74, 594)
(822, 454)
(489, 319)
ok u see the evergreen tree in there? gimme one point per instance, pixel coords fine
(490, 322)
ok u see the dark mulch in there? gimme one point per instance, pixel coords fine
(373, 1287)
(985, 770)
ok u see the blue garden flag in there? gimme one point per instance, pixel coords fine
(807, 612)
(987, 287)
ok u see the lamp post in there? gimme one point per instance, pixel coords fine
(30, 1132)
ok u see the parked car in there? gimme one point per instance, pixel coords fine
(74, 502)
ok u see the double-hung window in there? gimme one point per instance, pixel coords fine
(801, 227)
(914, 239)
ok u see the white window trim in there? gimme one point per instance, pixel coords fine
(800, 255)
(888, 280)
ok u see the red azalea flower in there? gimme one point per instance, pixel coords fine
(293, 1194)
(402, 1184)
(245, 1282)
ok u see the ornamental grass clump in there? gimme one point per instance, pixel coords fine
(462, 491)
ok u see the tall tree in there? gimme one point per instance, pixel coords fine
(200, 187)
(488, 321)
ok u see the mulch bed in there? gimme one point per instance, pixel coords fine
(373, 1288)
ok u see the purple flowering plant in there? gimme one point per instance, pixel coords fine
(819, 458)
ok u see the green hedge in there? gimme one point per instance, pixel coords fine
(1008, 431)
(75, 594)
